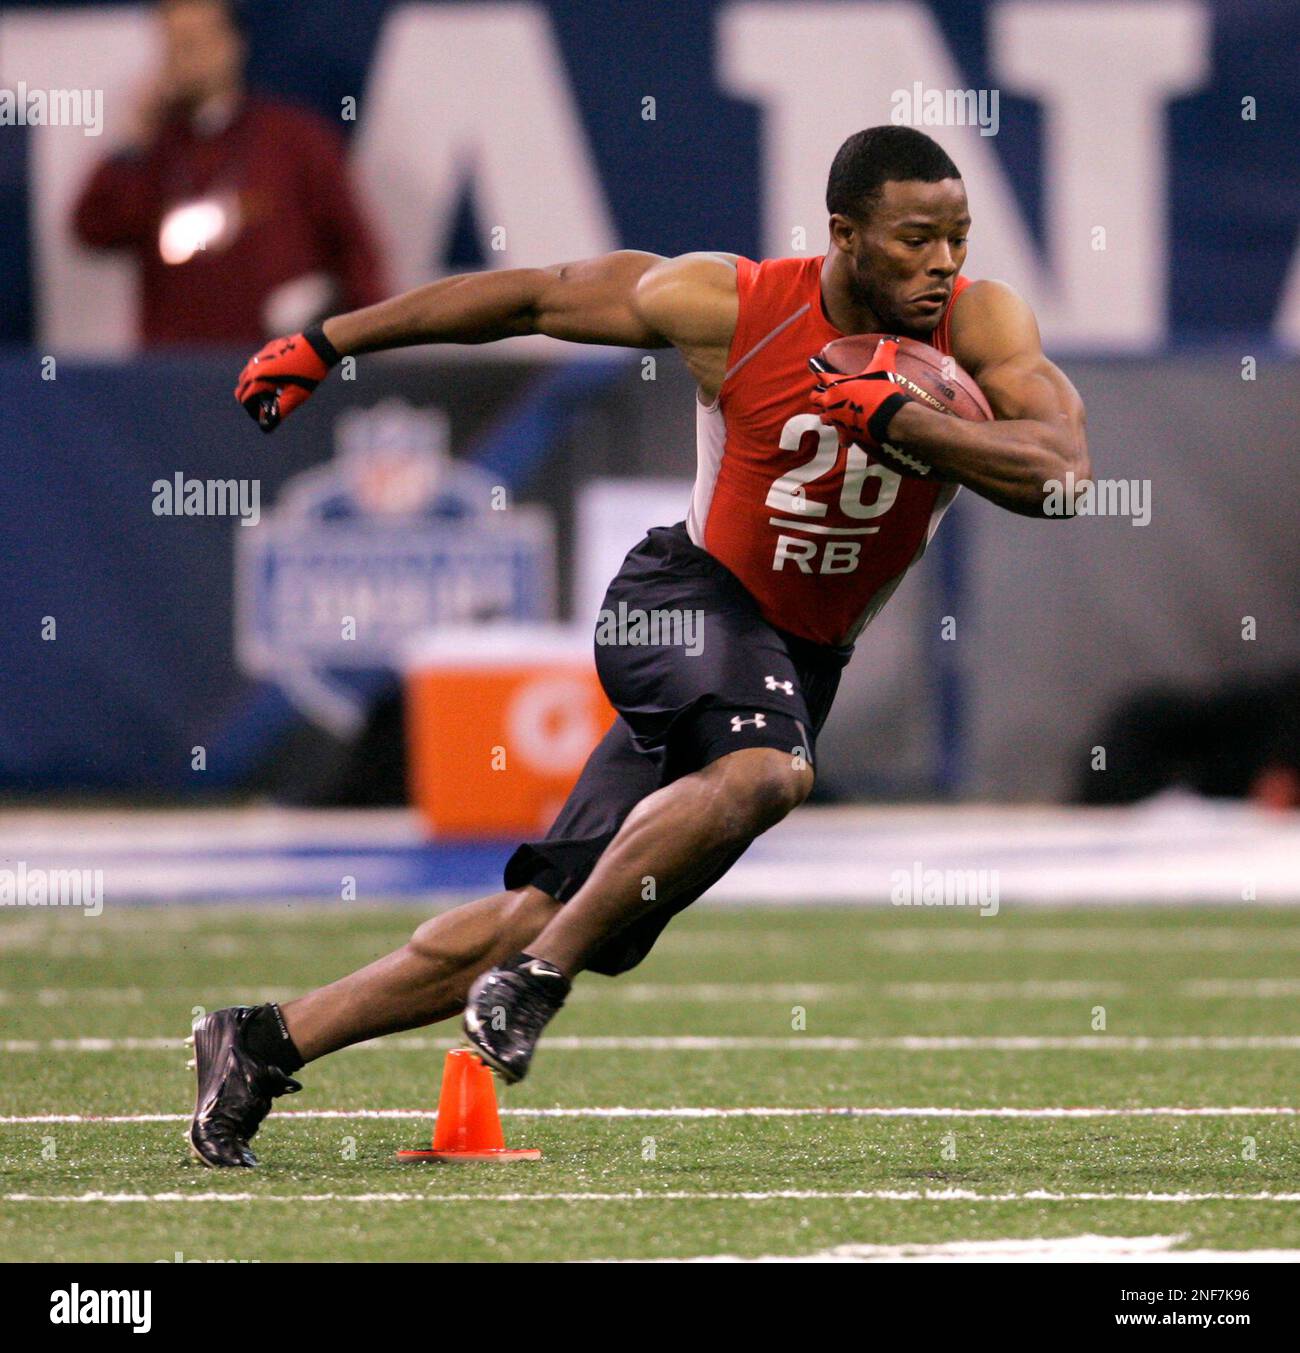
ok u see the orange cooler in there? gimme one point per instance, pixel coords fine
(500, 720)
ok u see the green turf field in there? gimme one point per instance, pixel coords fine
(760, 1008)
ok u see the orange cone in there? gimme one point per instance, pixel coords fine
(468, 1127)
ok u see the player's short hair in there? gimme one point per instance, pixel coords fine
(869, 159)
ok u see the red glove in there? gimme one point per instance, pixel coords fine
(861, 406)
(283, 374)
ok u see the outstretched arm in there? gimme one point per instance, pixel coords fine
(592, 301)
(1039, 432)
(627, 299)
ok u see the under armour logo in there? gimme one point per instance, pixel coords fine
(774, 685)
(737, 723)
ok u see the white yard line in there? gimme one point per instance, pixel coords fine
(1262, 988)
(1065, 1249)
(698, 1112)
(1248, 988)
(1002, 991)
(784, 1043)
(54, 996)
(966, 934)
(708, 993)
(984, 936)
(723, 993)
(666, 1196)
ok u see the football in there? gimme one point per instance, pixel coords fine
(921, 371)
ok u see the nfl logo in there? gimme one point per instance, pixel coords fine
(393, 459)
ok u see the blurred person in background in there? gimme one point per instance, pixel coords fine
(237, 207)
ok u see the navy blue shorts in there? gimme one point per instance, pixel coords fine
(695, 672)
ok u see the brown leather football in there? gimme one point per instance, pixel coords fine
(923, 372)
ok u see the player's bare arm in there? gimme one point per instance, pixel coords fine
(628, 298)
(1039, 433)
(589, 301)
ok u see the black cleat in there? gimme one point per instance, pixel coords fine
(507, 1009)
(235, 1090)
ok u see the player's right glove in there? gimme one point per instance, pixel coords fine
(861, 405)
(283, 374)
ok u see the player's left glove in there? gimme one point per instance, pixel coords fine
(861, 406)
(283, 373)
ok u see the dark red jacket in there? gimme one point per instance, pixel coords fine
(299, 216)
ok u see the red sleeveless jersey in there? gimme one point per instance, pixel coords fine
(821, 533)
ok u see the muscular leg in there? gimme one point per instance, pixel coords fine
(675, 836)
(241, 1059)
(425, 980)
